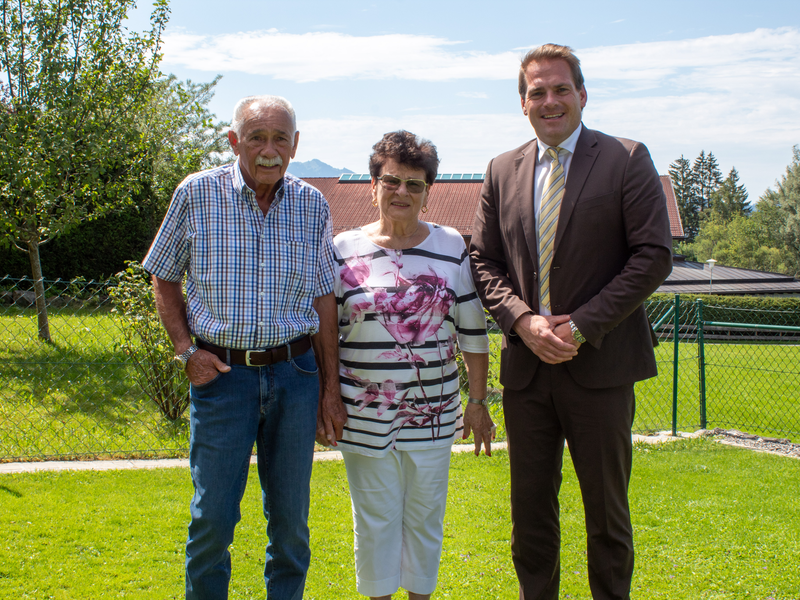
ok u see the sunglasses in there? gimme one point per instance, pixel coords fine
(414, 186)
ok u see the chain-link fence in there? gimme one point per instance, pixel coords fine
(736, 365)
(86, 395)
(78, 396)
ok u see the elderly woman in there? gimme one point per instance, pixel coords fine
(406, 301)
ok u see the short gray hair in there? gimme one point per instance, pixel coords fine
(263, 101)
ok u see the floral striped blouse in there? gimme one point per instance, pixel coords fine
(401, 313)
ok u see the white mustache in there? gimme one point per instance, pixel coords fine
(269, 162)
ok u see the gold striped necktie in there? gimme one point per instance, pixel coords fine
(548, 221)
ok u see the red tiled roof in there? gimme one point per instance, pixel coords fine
(675, 225)
(451, 203)
(351, 203)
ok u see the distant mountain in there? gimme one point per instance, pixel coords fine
(314, 168)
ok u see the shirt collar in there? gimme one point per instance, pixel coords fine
(568, 144)
(244, 190)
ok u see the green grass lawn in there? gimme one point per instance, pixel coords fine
(751, 387)
(79, 397)
(711, 522)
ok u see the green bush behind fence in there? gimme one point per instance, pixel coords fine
(83, 397)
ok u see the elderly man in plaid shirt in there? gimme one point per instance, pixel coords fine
(254, 245)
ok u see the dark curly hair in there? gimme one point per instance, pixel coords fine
(407, 149)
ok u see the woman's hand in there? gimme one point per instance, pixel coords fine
(478, 421)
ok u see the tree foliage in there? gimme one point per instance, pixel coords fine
(185, 139)
(783, 205)
(741, 241)
(188, 138)
(730, 199)
(707, 179)
(73, 146)
(700, 190)
(763, 238)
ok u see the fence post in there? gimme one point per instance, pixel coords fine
(675, 336)
(701, 357)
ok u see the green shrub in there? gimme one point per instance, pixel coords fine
(147, 343)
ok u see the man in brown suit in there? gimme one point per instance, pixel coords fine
(570, 306)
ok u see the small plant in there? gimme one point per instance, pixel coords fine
(147, 343)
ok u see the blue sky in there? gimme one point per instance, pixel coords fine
(679, 76)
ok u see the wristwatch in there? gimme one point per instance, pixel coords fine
(484, 402)
(184, 358)
(576, 335)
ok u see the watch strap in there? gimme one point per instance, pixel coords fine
(183, 358)
(576, 334)
(483, 402)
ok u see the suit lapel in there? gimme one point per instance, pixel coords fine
(586, 152)
(524, 167)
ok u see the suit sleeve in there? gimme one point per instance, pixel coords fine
(649, 242)
(489, 261)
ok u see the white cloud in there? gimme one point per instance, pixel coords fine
(737, 95)
(316, 56)
(721, 62)
(465, 143)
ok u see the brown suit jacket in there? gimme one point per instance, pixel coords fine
(613, 249)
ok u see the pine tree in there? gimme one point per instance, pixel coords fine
(708, 179)
(785, 201)
(730, 199)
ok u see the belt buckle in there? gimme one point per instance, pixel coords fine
(247, 357)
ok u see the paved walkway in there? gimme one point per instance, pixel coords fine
(107, 465)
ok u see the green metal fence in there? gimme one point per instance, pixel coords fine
(734, 367)
(80, 396)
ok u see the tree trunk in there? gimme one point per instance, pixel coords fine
(38, 288)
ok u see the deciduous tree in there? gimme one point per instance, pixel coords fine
(73, 145)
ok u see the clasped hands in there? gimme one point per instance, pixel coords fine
(549, 337)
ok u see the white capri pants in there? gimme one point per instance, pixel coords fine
(398, 518)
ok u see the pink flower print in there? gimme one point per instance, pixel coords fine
(360, 309)
(421, 416)
(402, 354)
(414, 313)
(373, 391)
(389, 391)
(356, 270)
(369, 395)
(450, 352)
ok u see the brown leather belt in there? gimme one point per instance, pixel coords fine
(258, 358)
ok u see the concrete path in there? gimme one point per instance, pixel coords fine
(107, 465)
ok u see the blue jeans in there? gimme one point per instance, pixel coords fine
(276, 408)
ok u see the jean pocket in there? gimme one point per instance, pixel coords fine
(206, 385)
(305, 364)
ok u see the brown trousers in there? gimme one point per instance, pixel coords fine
(597, 426)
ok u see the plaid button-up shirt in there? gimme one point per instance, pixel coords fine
(250, 278)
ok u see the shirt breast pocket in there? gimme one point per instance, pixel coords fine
(298, 267)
